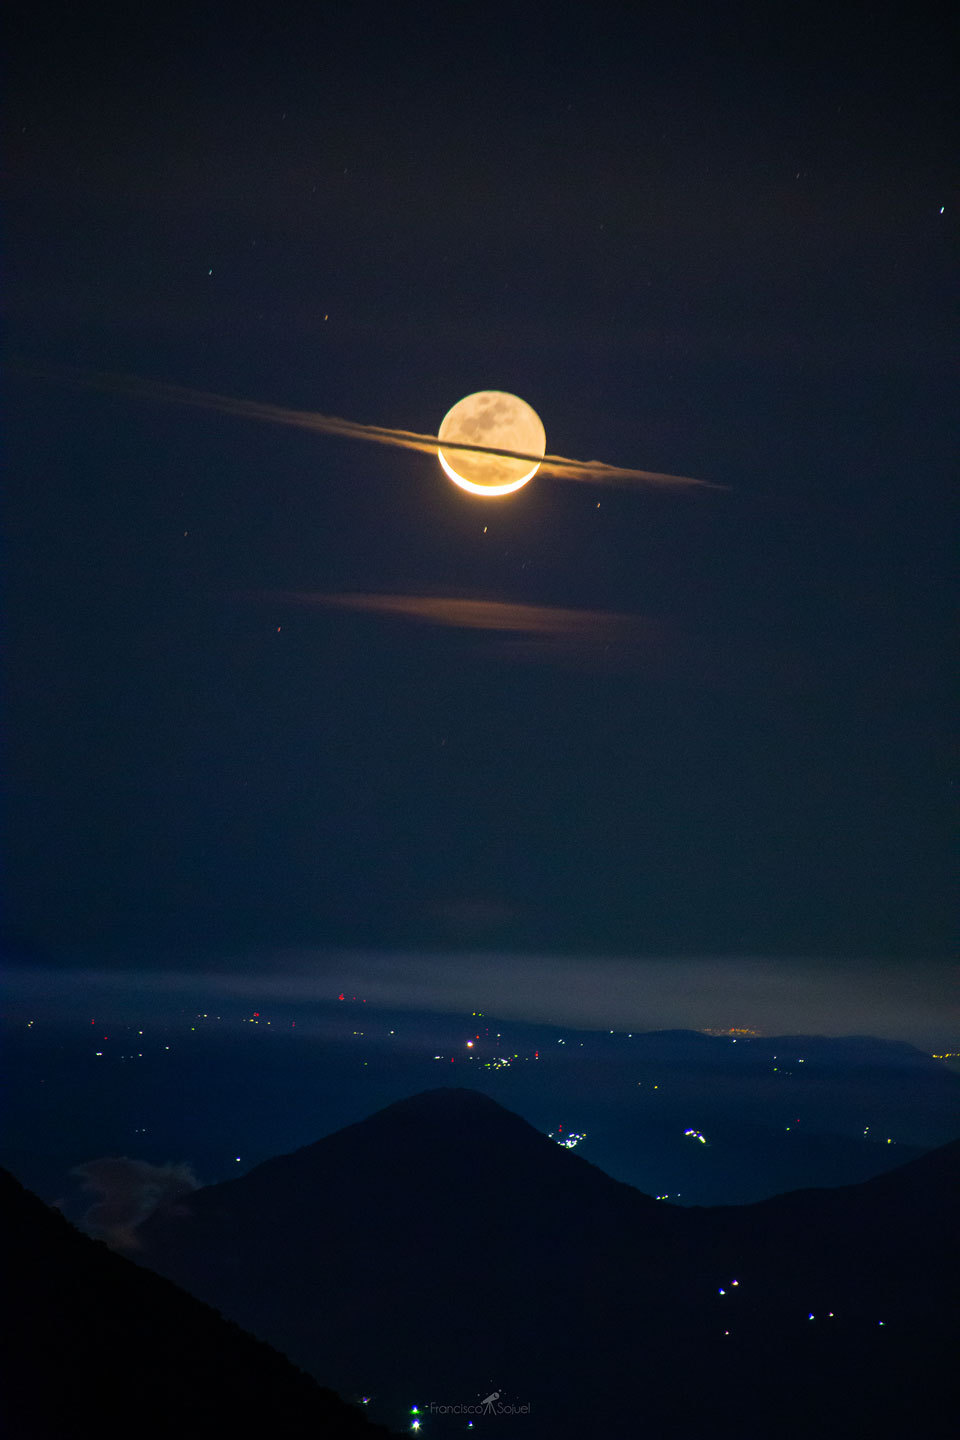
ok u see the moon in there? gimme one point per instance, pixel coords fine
(497, 420)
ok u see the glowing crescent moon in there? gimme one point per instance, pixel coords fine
(495, 419)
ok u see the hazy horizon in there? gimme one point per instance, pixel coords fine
(790, 997)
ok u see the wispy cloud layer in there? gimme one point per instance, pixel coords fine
(560, 466)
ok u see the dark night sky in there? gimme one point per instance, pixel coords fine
(703, 241)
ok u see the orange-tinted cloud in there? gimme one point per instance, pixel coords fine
(526, 632)
(465, 614)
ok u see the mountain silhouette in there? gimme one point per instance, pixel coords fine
(95, 1345)
(443, 1248)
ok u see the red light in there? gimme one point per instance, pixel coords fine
(340, 996)
(256, 1014)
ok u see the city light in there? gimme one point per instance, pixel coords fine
(570, 1141)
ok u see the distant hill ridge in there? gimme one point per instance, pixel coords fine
(459, 1130)
(443, 1247)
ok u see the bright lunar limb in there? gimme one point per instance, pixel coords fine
(497, 420)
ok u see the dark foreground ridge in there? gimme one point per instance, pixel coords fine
(443, 1248)
(95, 1345)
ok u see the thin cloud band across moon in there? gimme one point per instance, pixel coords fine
(490, 443)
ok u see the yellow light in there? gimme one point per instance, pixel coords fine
(505, 489)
